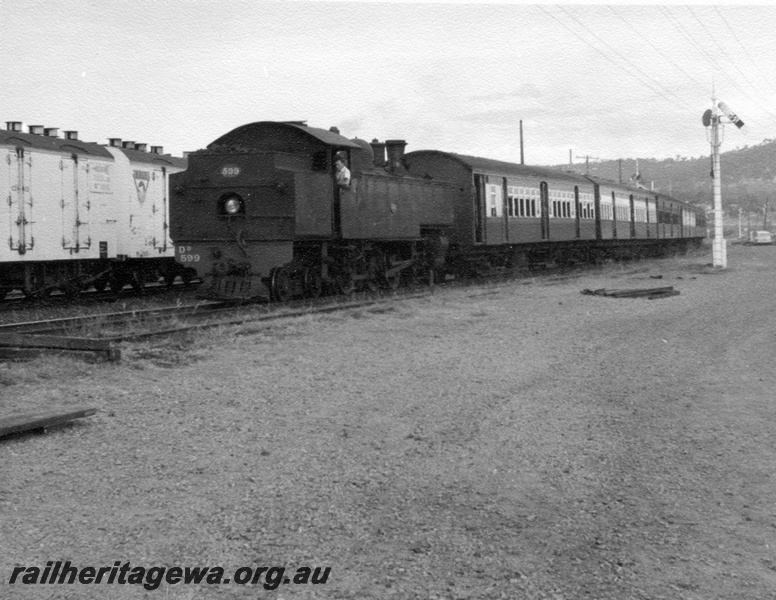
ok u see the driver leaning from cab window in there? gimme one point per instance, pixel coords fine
(343, 173)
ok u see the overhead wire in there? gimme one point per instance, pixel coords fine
(699, 47)
(655, 48)
(741, 45)
(635, 69)
(734, 63)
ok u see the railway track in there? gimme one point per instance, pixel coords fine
(101, 333)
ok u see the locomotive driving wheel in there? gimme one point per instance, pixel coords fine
(313, 282)
(280, 285)
(344, 282)
(391, 279)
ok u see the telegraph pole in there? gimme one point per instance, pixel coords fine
(711, 117)
(587, 158)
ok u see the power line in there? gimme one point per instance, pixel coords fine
(610, 59)
(723, 51)
(658, 50)
(735, 37)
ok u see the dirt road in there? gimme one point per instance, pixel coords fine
(519, 440)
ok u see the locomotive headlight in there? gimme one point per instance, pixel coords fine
(232, 205)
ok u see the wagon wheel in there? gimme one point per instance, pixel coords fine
(71, 290)
(280, 285)
(116, 283)
(313, 283)
(101, 283)
(169, 278)
(39, 294)
(137, 281)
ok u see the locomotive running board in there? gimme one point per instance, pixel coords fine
(245, 287)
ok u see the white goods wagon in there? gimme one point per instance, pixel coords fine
(75, 214)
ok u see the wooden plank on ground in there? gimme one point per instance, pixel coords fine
(30, 421)
(52, 342)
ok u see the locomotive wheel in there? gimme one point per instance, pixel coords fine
(343, 282)
(372, 271)
(313, 283)
(280, 285)
(187, 275)
(393, 281)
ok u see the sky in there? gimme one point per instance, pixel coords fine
(594, 80)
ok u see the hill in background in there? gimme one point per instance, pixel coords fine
(748, 179)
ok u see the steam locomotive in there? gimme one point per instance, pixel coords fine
(78, 214)
(259, 215)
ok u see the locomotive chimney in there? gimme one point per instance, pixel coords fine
(36, 129)
(13, 125)
(71, 135)
(115, 142)
(51, 132)
(378, 148)
(395, 150)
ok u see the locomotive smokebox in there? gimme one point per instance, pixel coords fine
(395, 150)
(378, 148)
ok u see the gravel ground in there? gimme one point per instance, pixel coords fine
(517, 440)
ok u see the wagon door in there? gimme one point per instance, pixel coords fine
(151, 189)
(19, 201)
(76, 188)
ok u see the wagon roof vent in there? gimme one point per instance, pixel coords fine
(36, 129)
(128, 144)
(115, 142)
(157, 149)
(13, 125)
(71, 135)
(51, 132)
(141, 147)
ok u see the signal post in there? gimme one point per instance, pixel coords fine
(711, 117)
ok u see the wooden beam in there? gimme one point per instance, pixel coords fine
(27, 422)
(52, 342)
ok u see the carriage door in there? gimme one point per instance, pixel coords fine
(632, 217)
(597, 210)
(479, 208)
(20, 200)
(577, 212)
(545, 210)
(614, 216)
